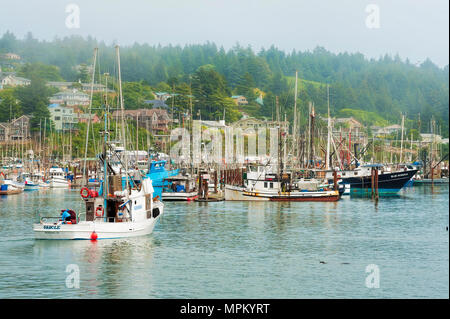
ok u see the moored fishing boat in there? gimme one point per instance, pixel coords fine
(14, 184)
(261, 183)
(31, 185)
(57, 178)
(6, 189)
(158, 173)
(388, 182)
(180, 188)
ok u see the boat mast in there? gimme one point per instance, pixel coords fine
(295, 116)
(309, 135)
(86, 174)
(122, 113)
(105, 163)
(327, 159)
(401, 140)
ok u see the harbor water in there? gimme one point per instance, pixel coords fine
(238, 250)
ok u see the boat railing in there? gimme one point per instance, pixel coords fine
(53, 219)
(79, 216)
(112, 219)
(47, 218)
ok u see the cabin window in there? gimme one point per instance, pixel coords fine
(271, 185)
(343, 174)
(356, 173)
(155, 212)
(265, 184)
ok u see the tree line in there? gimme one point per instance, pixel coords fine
(202, 77)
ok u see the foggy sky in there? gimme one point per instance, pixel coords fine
(414, 29)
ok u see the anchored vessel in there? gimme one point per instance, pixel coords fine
(182, 188)
(361, 180)
(260, 183)
(57, 178)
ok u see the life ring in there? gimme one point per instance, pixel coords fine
(99, 208)
(85, 192)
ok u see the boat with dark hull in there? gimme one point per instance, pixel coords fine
(388, 182)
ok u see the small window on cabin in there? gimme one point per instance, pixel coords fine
(271, 185)
(343, 174)
(265, 184)
(356, 173)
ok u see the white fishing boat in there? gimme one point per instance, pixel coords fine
(5, 189)
(31, 185)
(121, 208)
(261, 183)
(38, 178)
(128, 214)
(44, 185)
(57, 178)
(14, 184)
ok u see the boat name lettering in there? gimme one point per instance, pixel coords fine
(398, 175)
(51, 227)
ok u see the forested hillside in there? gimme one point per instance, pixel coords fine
(377, 88)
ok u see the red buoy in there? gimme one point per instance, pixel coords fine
(94, 236)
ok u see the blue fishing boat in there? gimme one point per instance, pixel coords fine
(158, 173)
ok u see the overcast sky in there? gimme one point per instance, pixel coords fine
(414, 29)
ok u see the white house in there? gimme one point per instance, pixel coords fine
(10, 79)
(63, 117)
(430, 138)
(70, 98)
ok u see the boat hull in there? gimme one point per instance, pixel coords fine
(31, 187)
(11, 191)
(59, 184)
(388, 183)
(310, 196)
(239, 193)
(236, 193)
(180, 197)
(84, 230)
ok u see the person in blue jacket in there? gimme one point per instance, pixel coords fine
(65, 216)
